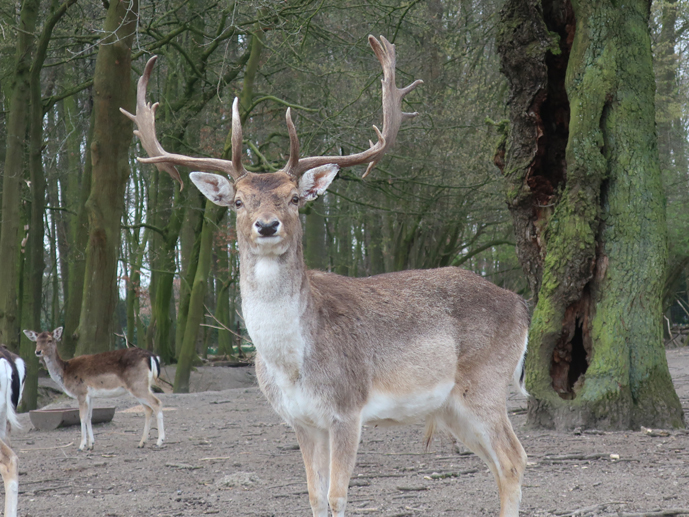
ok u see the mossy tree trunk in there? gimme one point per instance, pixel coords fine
(112, 134)
(583, 185)
(17, 123)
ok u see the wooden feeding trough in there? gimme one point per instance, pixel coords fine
(49, 419)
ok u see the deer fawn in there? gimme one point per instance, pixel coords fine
(108, 374)
(12, 375)
(333, 352)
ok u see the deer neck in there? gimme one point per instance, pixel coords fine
(275, 297)
(56, 368)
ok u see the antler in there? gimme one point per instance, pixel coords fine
(393, 116)
(146, 131)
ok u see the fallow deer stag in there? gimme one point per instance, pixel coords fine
(12, 375)
(334, 352)
(108, 374)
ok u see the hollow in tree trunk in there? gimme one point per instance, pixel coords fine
(583, 185)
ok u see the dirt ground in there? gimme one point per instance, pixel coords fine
(228, 453)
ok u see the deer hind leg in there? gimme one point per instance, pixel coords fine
(315, 451)
(89, 423)
(10, 474)
(151, 405)
(344, 441)
(147, 425)
(487, 432)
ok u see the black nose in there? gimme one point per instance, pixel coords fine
(38, 353)
(267, 229)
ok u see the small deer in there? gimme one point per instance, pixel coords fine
(334, 353)
(108, 374)
(12, 376)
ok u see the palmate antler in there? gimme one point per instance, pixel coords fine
(393, 116)
(146, 131)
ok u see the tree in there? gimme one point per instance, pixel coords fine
(583, 185)
(110, 171)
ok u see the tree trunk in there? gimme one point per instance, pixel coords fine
(213, 215)
(315, 250)
(76, 195)
(225, 278)
(112, 134)
(583, 185)
(10, 236)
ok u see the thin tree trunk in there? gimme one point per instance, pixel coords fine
(194, 318)
(76, 195)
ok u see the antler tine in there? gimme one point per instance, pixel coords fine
(237, 141)
(293, 145)
(164, 161)
(393, 116)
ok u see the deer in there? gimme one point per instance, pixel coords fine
(12, 376)
(334, 352)
(107, 374)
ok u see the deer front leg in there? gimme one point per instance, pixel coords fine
(10, 474)
(83, 417)
(316, 454)
(344, 442)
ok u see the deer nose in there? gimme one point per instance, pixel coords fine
(267, 229)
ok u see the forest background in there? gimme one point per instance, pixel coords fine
(117, 253)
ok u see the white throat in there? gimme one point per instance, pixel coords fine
(56, 373)
(273, 306)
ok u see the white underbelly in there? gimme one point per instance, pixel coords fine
(104, 393)
(391, 408)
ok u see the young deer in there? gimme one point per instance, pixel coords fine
(108, 374)
(12, 375)
(334, 352)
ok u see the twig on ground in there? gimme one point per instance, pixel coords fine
(47, 448)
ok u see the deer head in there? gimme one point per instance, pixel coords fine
(267, 204)
(46, 342)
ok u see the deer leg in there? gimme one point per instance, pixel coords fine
(316, 454)
(10, 474)
(83, 417)
(151, 405)
(344, 442)
(147, 425)
(89, 423)
(488, 433)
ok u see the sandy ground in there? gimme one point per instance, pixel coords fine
(228, 453)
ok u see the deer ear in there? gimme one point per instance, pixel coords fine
(57, 333)
(31, 334)
(315, 182)
(215, 187)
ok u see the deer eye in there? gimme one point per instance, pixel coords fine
(295, 199)
(238, 203)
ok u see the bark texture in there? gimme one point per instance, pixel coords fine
(583, 185)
